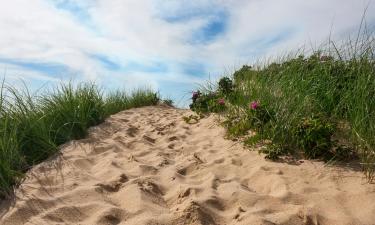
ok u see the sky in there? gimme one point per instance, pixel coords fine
(168, 45)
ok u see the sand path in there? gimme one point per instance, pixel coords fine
(147, 166)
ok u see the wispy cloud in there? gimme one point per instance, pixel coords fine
(46, 68)
(106, 62)
(77, 9)
(214, 27)
(168, 45)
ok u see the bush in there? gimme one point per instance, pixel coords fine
(273, 151)
(314, 136)
(225, 85)
(206, 103)
(241, 73)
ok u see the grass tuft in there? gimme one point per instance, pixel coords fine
(33, 126)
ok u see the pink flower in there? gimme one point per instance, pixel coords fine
(254, 105)
(221, 101)
(196, 95)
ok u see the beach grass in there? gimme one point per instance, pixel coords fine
(319, 103)
(32, 126)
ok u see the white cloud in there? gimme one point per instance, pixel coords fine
(128, 31)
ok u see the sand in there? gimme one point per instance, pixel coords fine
(148, 166)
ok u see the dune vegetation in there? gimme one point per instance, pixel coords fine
(33, 126)
(318, 104)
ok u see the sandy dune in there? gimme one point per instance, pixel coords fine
(147, 166)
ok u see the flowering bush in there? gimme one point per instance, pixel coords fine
(258, 114)
(196, 95)
(205, 103)
(221, 101)
(254, 105)
(219, 106)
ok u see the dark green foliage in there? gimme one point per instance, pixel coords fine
(225, 85)
(205, 103)
(314, 136)
(273, 151)
(241, 73)
(32, 127)
(258, 116)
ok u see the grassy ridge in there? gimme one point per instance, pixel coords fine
(32, 127)
(321, 105)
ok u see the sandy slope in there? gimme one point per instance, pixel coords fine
(147, 166)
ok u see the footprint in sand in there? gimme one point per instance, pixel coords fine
(187, 170)
(173, 138)
(113, 216)
(132, 131)
(113, 186)
(149, 139)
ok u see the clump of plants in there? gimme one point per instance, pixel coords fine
(313, 135)
(294, 103)
(273, 151)
(32, 127)
(168, 102)
(191, 119)
(208, 102)
(258, 115)
(225, 85)
(236, 123)
(241, 73)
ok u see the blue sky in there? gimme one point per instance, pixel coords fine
(168, 45)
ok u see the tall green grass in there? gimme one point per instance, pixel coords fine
(33, 126)
(320, 103)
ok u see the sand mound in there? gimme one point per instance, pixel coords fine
(147, 166)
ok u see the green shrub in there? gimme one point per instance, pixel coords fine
(314, 136)
(240, 74)
(225, 85)
(273, 151)
(205, 103)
